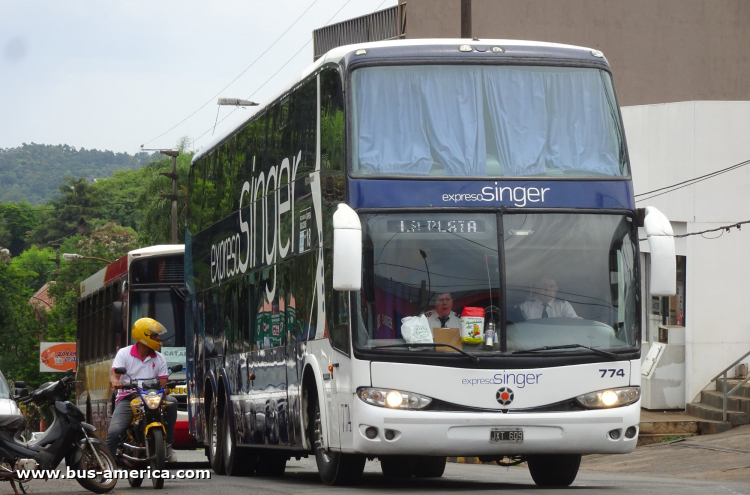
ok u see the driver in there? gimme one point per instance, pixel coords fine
(142, 362)
(545, 303)
(443, 316)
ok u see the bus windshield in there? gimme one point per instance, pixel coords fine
(554, 279)
(485, 121)
(164, 306)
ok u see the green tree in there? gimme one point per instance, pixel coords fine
(36, 264)
(20, 332)
(119, 196)
(155, 224)
(17, 220)
(71, 213)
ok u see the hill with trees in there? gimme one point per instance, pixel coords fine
(102, 219)
(34, 172)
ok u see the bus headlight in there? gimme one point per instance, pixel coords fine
(614, 397)
(393, 399)
(153, 399)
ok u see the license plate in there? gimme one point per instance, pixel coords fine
(506, 435)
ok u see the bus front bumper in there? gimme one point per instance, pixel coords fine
(468, 434)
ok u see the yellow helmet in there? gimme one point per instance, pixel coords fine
(144, 328)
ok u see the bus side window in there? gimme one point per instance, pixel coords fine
(331, 121)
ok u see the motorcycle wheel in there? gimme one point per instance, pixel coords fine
(135, 482)
(159, 453)
(88, 461)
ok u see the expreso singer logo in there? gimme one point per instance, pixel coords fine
(519, 196)
(227, 257)
(519, 380)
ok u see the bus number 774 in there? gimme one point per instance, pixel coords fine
(612, 373)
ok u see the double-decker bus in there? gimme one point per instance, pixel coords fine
(421, 249)
(146, 282)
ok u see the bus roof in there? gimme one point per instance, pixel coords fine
(120, 266)
(424, 48)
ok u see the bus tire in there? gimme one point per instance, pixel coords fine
(554, 469)
(237, 461)
(215, 439)
(398, 466)
(334, 468)
(429, 466)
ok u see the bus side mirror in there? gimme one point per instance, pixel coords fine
(347, 249)
(117, 317)
(663, 269)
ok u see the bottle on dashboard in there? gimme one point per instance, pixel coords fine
(489, 334)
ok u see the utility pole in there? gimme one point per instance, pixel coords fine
(56, 259)
(172, 175)
(466, 18)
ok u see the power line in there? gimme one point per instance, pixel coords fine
(279, 70)
(213, 98)
(690, 182)
(723, 229)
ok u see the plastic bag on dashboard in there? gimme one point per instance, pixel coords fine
(416, 329)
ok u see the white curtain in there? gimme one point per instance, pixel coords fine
(532, 120)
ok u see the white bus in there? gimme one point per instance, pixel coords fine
(146, 282)
(421, 249)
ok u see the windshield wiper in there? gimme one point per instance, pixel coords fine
(568, 346)
(416, 345)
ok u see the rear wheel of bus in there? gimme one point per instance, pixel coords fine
(554, 470)
(237, 461)
(334, 468)
(215, 438)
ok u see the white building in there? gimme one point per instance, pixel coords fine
(675, 142)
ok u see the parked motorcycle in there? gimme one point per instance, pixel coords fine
(144, 444)
(68, 437)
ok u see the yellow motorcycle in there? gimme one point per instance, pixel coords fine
(144, 445)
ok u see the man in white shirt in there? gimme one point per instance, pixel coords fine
(142, 362)
(545, 305)
(443, 316)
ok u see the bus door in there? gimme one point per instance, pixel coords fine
(341, 372)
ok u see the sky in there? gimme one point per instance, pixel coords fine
(116, 75)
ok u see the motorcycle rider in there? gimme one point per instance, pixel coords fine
(142, 362)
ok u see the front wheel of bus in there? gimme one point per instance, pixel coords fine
(215, 439)
(334, 468)
(554, 470)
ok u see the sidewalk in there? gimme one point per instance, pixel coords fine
(721, 457)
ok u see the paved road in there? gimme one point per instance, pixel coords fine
(301, 477)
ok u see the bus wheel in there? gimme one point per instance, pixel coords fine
(215, 439)
(398, 466)
(429, 467)
(334, 468)
(554, 470)
(237, 461)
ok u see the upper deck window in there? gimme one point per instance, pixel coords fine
(485, 121)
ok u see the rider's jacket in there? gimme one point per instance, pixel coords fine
(154, 366)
